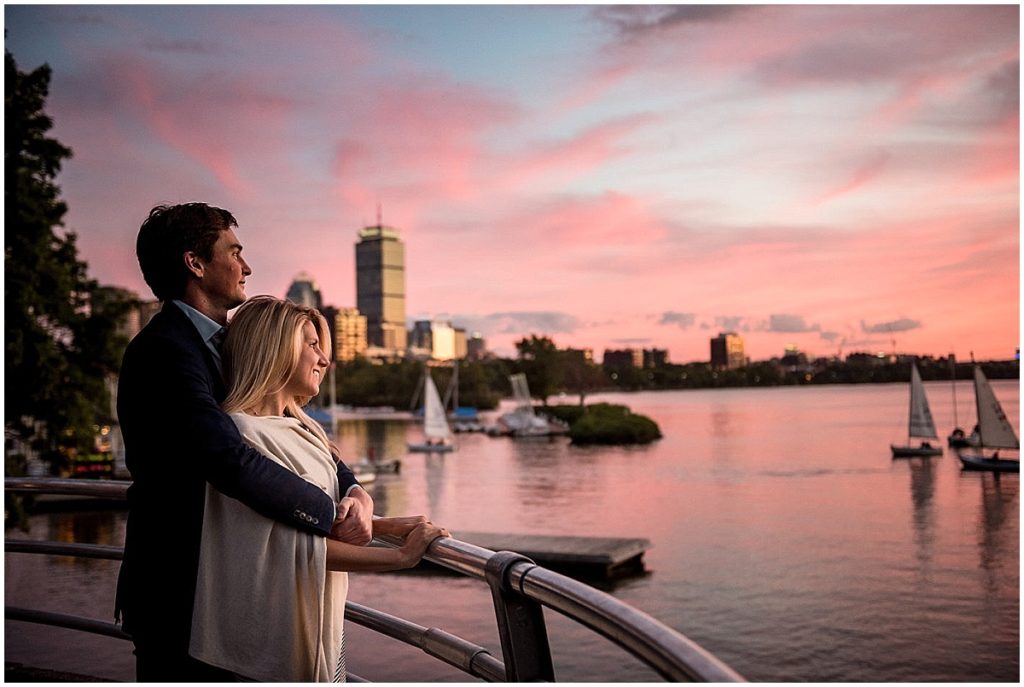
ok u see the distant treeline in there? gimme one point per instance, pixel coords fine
(550, 372)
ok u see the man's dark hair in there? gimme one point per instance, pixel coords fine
(168, 233)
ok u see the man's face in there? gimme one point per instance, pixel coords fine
(223, 279)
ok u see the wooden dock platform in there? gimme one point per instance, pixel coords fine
(579, 557)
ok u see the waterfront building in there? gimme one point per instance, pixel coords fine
(476, 347)
(380, 288)
(585, 355)
(862, 359)
(727, 351)
(626, 357)
(349, 334)
(655, 357)
(436, 338)
(793, 357)
(460, 343)
(304, 291)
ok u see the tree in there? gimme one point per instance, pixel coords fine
(541, 361)
(581, 376)
(61, 334)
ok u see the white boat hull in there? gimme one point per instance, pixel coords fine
(975, 461)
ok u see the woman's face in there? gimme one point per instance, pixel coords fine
(309, 370)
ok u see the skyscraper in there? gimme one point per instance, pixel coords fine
(304, 291)
(727, 351)
(380, 286)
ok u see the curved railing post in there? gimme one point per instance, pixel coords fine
(524, 637)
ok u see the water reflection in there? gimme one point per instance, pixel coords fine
(381, 439)
(92, 527)
(998, 505)
(922, 494)
(724, 421)
(434, 469)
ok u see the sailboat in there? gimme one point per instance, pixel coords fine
(994, 431)
(920, 423)
(958, 438)
(523, 421)
(435, 424)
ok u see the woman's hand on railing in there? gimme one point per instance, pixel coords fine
(418, 539)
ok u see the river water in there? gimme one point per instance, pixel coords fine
(786, 541)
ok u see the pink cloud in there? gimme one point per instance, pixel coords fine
(867, 172)
(556, 164)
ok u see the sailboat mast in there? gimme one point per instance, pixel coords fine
(952, 377)
(977, 404)
(910, 411)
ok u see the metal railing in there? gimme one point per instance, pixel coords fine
(519, 588)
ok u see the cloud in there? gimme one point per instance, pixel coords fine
(685, 320)
(634, 340)
(639, 20)
(901, 325)
(790, 324)
(732, 323)
(519, 323)
(867, 171)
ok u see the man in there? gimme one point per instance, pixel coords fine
(177, 439)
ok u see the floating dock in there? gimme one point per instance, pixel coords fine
(578, 557)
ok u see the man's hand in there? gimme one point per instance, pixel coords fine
(354, 521)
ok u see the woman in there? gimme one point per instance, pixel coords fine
(270, 599)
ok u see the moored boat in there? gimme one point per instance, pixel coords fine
(437, 434)
(524, 421)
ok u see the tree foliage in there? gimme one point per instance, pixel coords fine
(542, 363)
(61, 328)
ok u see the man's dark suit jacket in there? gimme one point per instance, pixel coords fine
(176, 440)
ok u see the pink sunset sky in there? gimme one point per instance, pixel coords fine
(839, 178)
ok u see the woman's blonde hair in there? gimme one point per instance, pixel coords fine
(261, 351)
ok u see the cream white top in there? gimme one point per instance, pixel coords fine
(266, 607)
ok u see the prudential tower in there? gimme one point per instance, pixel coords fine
(380, 286)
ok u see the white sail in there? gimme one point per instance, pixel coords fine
(921, 423)
(435, 425)
(521, 393)
(995, 430)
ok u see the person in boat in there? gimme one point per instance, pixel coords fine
(270, 600)
(178, 439)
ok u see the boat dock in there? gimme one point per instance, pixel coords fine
(577, 557)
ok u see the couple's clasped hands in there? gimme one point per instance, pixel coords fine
(354, 524)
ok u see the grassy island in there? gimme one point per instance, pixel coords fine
(606, 423)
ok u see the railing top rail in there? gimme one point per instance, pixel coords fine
(669, 652)
(107, 489)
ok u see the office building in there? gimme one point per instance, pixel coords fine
(626, 357)
(476, 347)
(727, 352)
(461, 347)
(349, 334)
(380, 288)
(655, 357)
(304, 291)
(437, 339)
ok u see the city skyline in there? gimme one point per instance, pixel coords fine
(837, 178)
